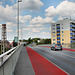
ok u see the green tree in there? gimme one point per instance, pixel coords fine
(25, 40)
(30, 40)
(45, 41)
(36, 40)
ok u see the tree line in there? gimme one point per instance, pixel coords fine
(37, 40)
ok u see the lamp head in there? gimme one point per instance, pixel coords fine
(19, 0)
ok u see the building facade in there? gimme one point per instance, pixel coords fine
(63, 32)
(3, 38)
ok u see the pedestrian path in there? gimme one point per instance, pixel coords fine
(24, 66)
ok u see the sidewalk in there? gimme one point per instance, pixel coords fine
(24, 66)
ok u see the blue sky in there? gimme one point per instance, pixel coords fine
(36, 16)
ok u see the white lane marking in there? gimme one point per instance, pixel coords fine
(66, 55)
(53, 63)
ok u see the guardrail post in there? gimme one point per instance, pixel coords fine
(2, 60)
(3, 65)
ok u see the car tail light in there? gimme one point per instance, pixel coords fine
(55, 46)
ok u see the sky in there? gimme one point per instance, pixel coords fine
(35, 16)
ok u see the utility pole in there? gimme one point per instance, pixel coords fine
(18, 19)
(21, 34)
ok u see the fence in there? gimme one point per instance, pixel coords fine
(8, 61)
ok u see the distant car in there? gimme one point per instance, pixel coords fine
(14, 44)
(24, 45)
(56, 47)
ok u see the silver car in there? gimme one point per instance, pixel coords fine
(56, 47)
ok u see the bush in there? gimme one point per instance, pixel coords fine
(72, 45)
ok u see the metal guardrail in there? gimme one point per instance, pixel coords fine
(8, 60)
(2, 55)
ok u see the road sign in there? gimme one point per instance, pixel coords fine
(15, 39)
(19, 0)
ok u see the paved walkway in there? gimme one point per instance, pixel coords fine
(24, 66)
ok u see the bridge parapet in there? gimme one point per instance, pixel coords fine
(8, 60)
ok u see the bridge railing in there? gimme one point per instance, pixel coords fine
(8, 60)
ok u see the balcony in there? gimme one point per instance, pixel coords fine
(58, 41)
(58, 34)
(72, 37)
(72, 41)
(58, 30)
(58, 26)
(58, 37)
(72, 29)
(72, 33)
(72, 25)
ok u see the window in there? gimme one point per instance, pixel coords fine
(53, 28)
(53, 39)
(53, 35)
(62, 43)
(53, 25)
(62, 39)
(62, 35)
(62, 31)
(53, 32)
(53, 43)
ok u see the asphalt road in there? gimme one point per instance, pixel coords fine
(65, 60)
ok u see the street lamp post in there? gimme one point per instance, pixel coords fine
(18, 20)
(21, 35)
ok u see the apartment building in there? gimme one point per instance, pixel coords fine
(63, 32)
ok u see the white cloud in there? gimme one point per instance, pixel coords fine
(65, 8)
(33, 5)
(38, 29)
(60, 18)
(7, 14)
(10, 24)
(23, 19)
(37, 25)
(37, 20)
(48, 20)
(40, 20)
(51, 11)
(19, 30)
(45, 33)
(9, 30)
(35, 30)
(26, 29)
